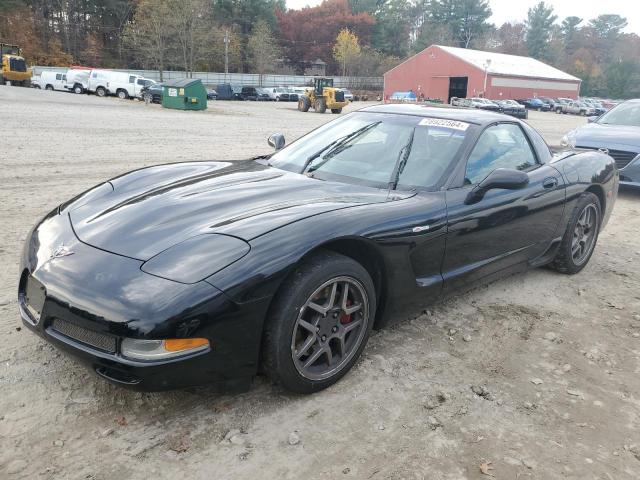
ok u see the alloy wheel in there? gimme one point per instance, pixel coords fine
(330, 328)
(584, 234)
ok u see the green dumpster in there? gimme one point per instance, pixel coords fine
(185, 94)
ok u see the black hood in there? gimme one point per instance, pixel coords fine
(147, 211)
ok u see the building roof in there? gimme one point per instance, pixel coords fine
(512, 65)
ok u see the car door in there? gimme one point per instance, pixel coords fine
(59, 82)
(505, 227)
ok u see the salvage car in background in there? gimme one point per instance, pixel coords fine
(152, 93)
(513, 108)
(578, 108)
(597, 106)
(618, 133)
(535, 104)
(204, 272)
(483, 104)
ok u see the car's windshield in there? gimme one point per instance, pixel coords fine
(627, 113)
(376, 150)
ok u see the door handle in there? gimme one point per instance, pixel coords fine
(550, 182)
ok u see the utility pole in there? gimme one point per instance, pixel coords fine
(226, 55)
(487, 64)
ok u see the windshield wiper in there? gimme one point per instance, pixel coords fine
(332, 148)
(403, 156)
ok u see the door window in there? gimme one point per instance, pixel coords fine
(500, 146)
(132, 79)
(58, 76)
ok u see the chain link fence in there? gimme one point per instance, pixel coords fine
(248, 79)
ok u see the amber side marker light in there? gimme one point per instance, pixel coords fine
(180, 344)
(137, 349)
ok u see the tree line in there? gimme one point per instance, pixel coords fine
(353, 37)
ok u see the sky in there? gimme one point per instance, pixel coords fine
(516, 10)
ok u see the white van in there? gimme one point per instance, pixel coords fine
(52, 80)
(122, 84)
(77, 80)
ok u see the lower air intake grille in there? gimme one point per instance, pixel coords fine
(98, 340)
(621, 157)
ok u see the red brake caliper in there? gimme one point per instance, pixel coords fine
(346, 318)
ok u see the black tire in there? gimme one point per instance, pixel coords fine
(49, 87)
(101, 92)
(122, 94)
(336, 110)
(291, 299)
(564, 261)
(304, 104)
(77, 89)
(320, 106)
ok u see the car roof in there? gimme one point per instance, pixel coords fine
(480, 117)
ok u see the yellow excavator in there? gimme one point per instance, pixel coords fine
(14, 67)
(321, 97)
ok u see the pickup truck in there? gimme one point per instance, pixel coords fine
(578, 108)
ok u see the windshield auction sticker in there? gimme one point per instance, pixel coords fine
(441, 122)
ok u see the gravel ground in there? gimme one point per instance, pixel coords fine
(537, 374)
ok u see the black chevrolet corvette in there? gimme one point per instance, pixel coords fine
(208, 272)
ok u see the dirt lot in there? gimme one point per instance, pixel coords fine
(538, 374)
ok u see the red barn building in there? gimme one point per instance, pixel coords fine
(445, 72)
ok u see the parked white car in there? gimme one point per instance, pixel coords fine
(52, 80)
(122, 84)
(347, 94)
(77, 80)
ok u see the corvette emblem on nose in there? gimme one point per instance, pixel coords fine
(61, 251)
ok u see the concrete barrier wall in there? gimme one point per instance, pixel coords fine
(249, 79)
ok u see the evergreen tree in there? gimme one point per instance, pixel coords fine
(540, 18)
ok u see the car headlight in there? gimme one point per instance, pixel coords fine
(137, 349)
(196, 258)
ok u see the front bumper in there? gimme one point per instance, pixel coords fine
(100, 298)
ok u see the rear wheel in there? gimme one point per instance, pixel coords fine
(336, 110)
(304, 104)
(319, 323)
(320, 105)
(580, 237)
(49, 87)
(101, 92)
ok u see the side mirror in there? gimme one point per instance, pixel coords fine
(276, 141)
(592, 118)
(505, 178)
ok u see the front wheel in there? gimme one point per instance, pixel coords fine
(580, 238)
(319, 323)
(122, 94)
(304, 104)
(336, 110)
(101, 92)
(78, 89)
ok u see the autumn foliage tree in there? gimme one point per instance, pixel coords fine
(310, 33)
(346, 49)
